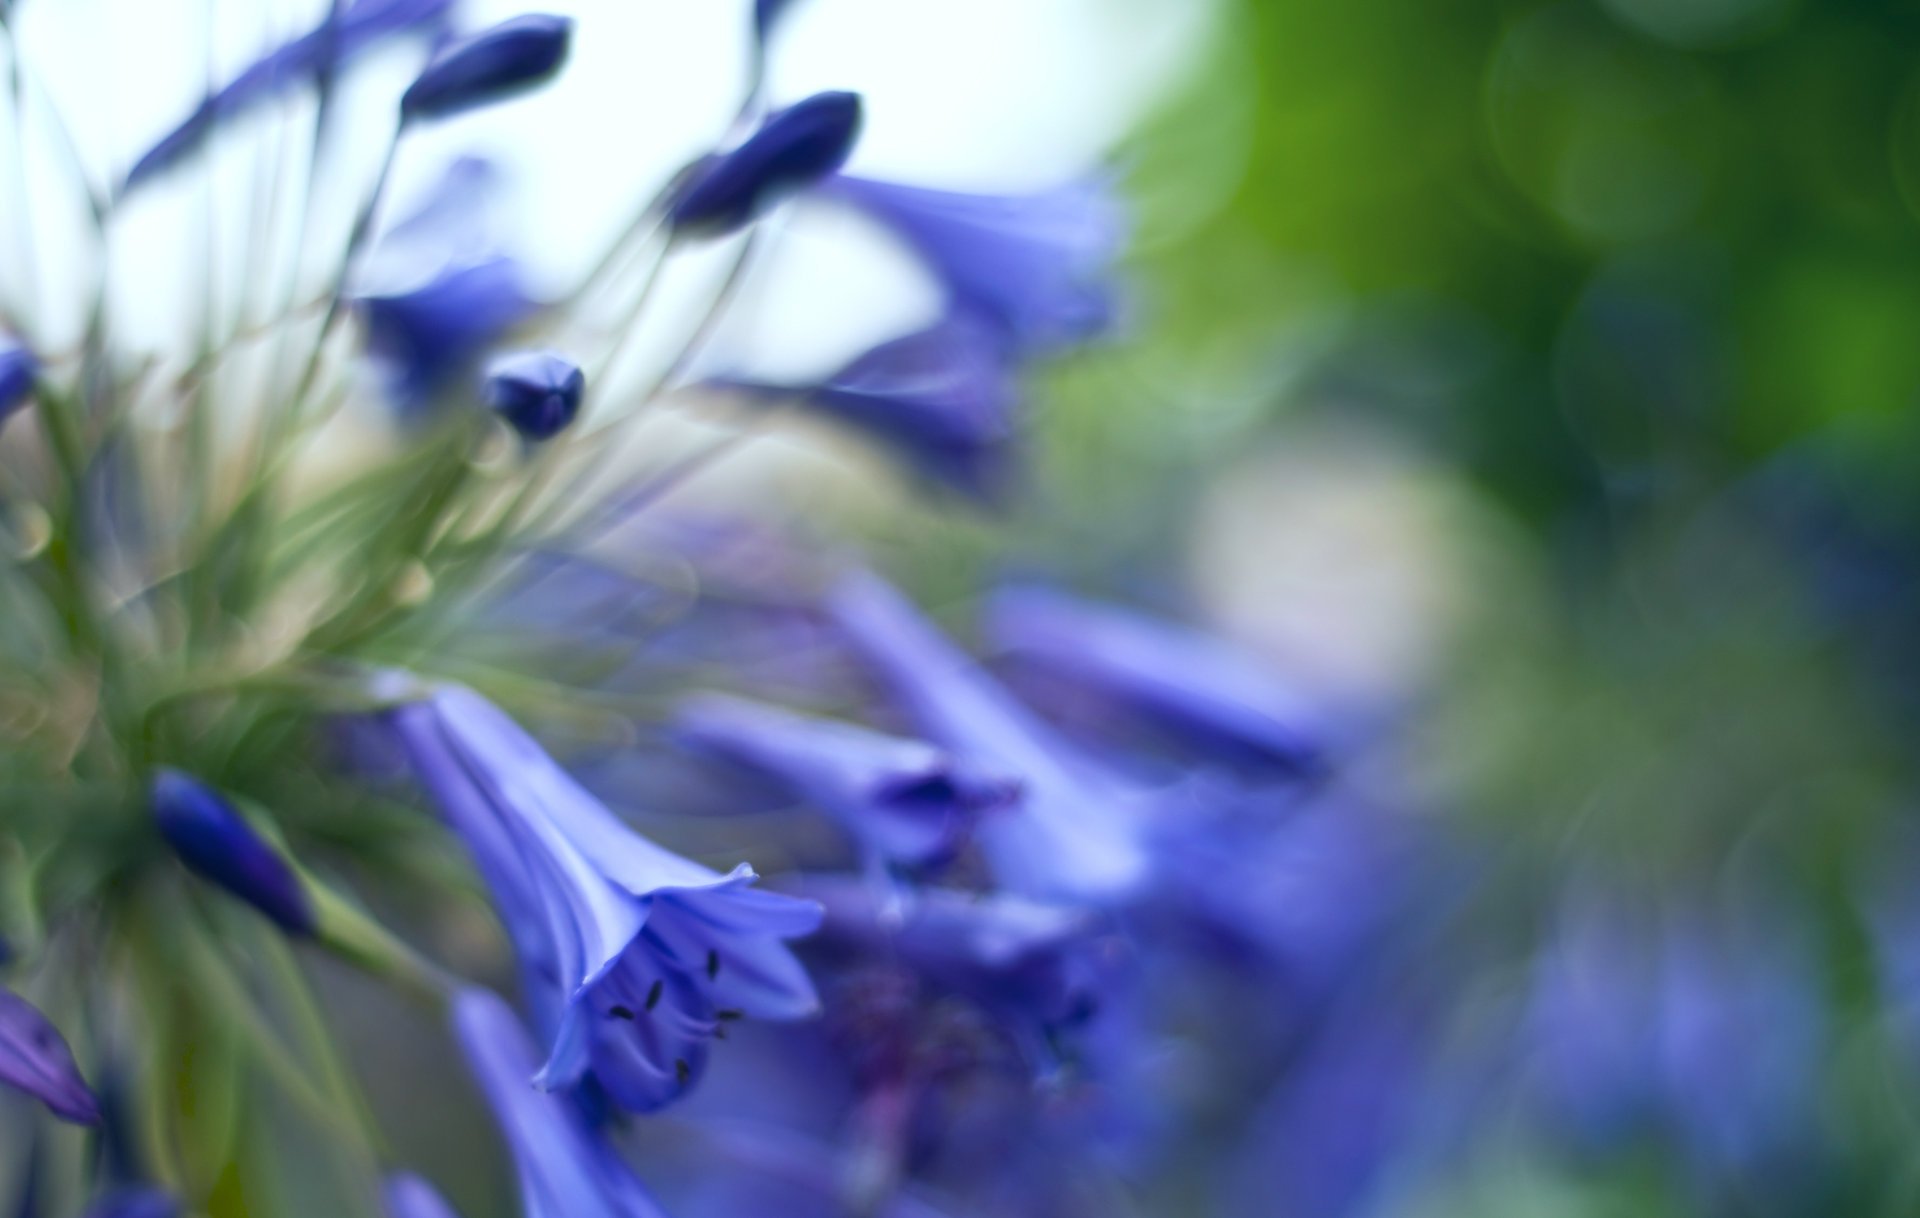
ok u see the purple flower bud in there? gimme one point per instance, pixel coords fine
(409, 1196)
(510, 58)
(428, 337)
(217, 844)
(792, 150)
(136, 1202)
(18, 372)
(34, 1058)
(536, 392)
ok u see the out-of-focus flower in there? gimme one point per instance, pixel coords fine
(537, 392)
(217, 844)
(941, 400)
(904, 801)
(348, 31)
(1037, 267)
(500, 62)
(792, 150)
(1073, 836)
(137, 1202)
(1213, 700)
(634, 955)
(427, 337)
(19, 370)
(767, 15)
(34, 1058)
(410, 1196)
(564, 1170)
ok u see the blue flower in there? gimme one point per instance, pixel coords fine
(564, 1170)
(537, 392)
(348, 31)
(135, 1202)
(633, 955)
(792, 150)
(766, 15)
(409, 1196)
(1218, 703)
(942, 400)
(34, 1058)
(502, 61)
(1073, 836)
(428, 337)
(1037, 267)
(905, 801)
(19, 371)
(218, 845)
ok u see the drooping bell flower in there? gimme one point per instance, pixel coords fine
(409, 1196)
(564, 1170)
(349, 31)
(906, 802)
(217, 844)
(1073, 836)
(19, 371)
(1216, 703)
(34, 1058)
(428, 337)
(135, 1202)
(633, 955)
(537, 392)
(942, 401)
(497, 63)
(793, 149)
(1038, 267)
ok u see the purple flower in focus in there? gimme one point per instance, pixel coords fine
(34, 1058)
(1215, 701)
(217, 844)
(499, 62)
(537, 392)
(349, 30)
(633, 955)
(1073, 837)
(792, 150)
(904, 801)
(564, 1170)
(427, 337)
(941, 400)
(1037, 267)
(136, 1202)
(19, 371)
(409, 1196)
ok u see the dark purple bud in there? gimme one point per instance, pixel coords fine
(519, 54)
(136, 1202)
(409, 1196)
(793, 149)
(34, 1058)
(537, 392)
(18, 372)
(217, 844)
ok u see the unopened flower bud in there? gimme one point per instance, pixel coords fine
(537, 392)
(217, 844)
(518, 54)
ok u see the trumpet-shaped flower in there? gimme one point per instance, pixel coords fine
(633, 955)
(1073, 836)
(904, 801)
(34, 1058)
(564, 1170)
(427, 337)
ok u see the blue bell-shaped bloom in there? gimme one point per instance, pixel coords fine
(795, 148)
(1073, 836)
(565, 1171)
(429, 337)
(500, 62)
(409, 1196)
(34, 1058)
(19, 371)
(1038, 268)
(633, 955)
(218, 845)
(350, 30)
(537, 392)
(905, 801)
